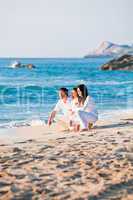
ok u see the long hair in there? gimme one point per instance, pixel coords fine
(84, 92)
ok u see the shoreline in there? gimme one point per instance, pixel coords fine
(109, 116)
(38, 128)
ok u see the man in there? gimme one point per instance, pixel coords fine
(63, 105)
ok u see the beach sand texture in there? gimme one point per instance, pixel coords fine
(47, 163)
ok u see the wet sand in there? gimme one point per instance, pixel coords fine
(43, 163)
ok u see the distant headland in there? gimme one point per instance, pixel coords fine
(109, 49)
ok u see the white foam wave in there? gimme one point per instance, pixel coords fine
(16, 124)
(37, 123)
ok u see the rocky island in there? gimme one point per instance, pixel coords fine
(124, 62)
(18, 64)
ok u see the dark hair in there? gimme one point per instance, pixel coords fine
(65, 90)
(75, 89)
(84, 91)
(79, 98)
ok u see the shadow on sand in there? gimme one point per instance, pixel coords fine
(116, 191)
(115, 125)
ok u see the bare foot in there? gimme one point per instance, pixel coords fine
(71, 128)
(90, 126)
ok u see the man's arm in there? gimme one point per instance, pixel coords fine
(55, 110)
(51, 117)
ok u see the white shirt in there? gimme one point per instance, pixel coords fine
(89, 106)
(62, 107)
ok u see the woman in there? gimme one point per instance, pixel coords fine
(86, 113)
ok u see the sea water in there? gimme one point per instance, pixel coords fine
(30, 95)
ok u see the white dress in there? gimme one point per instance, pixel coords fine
(87, 113)
(74, 107)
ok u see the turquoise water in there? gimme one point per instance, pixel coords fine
(31, 94)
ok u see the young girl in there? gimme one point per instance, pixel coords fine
(75, 103)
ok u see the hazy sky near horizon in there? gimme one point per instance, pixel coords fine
(62, 28)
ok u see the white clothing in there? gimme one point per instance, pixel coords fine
(74, 104)
(63, 108)
(85, 118)
(87, 113)
(89, 106)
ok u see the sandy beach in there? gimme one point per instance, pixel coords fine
(66, 100)
(42, 163)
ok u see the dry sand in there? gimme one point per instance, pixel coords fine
(42, 163)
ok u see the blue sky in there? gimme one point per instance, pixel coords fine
(62, 28)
